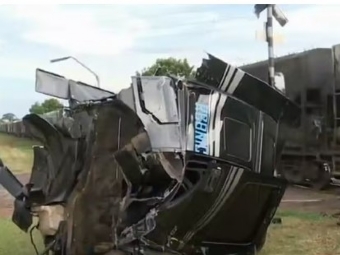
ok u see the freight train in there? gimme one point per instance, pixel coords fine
(312, 80)
(17, 128)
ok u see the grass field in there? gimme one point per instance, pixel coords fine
(16, 242)
(16, 153)
(303, 234)
(299, 233)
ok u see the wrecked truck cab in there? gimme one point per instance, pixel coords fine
(165, 166)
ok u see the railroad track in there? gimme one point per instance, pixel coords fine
(332, 189)
(331, 186)
(300, 195)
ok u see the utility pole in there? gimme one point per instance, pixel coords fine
(80, 63)
(272, 11)
(269, 33)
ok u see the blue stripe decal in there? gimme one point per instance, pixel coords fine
(201, 128)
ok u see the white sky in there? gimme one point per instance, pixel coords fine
(117, 40)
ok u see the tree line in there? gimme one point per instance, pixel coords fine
(162, 66)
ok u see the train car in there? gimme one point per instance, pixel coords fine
(3, 127)
(312, 80)
(17, 128)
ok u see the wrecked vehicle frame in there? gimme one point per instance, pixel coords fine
(165, 166)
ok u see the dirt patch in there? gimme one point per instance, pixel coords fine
(307, 200)
(6, 200)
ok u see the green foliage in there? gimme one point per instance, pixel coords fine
(9, 117)
(36, 108)
(48, 105)
(164, 66)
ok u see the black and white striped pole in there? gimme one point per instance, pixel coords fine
(272, 11)
(269, 33)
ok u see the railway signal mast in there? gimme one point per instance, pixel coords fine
(272, 11)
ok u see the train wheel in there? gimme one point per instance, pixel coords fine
(324, 176)
(293, 175)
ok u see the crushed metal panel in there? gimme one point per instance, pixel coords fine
(58, 86)
(126, 95)
(163, 137)
(84, 92)
(206, 130)
(247, 88)
(51, 84)
(159, 98)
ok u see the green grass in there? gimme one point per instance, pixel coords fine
(299, 234)
(17, 153)
(13, 241)
(303, 234)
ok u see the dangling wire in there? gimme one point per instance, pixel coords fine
(48, 248)
(32, 240)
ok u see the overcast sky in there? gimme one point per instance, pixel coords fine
(117, 40)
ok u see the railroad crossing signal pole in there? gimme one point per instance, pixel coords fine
(272, 11)
(269, 29)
